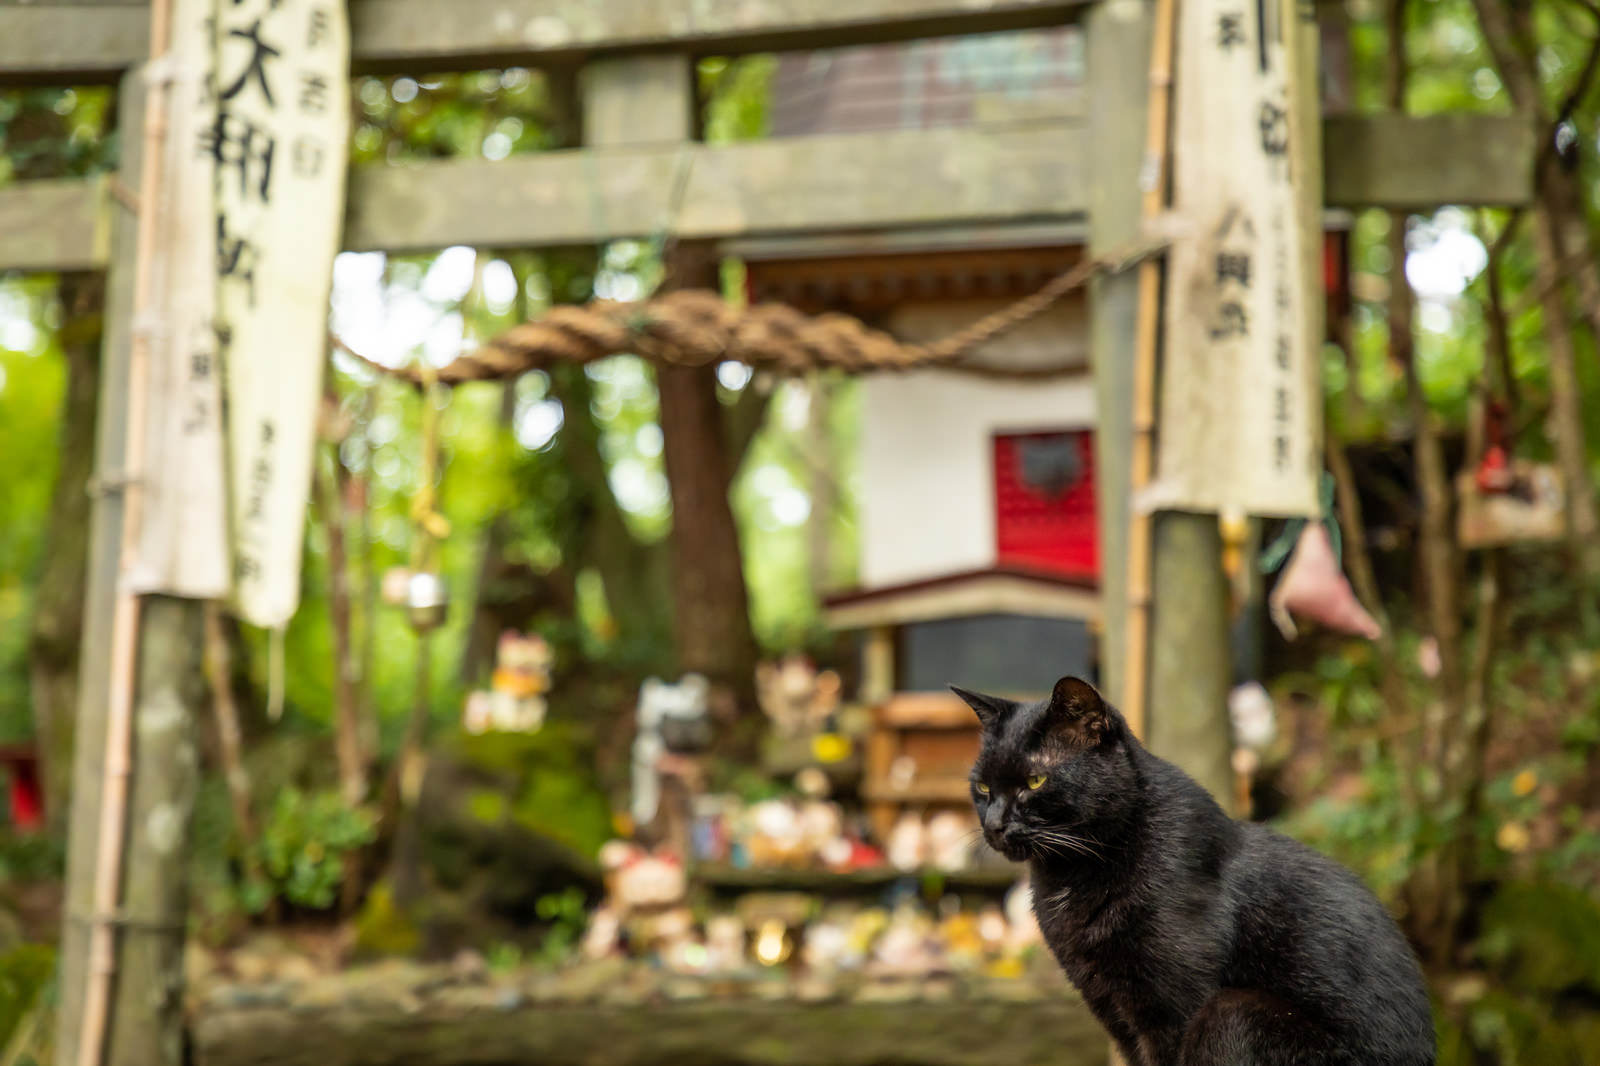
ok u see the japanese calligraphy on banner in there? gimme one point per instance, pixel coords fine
(183, 542)
(1240, 424)
(277, 144)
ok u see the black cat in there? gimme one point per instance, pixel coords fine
(1195, 939)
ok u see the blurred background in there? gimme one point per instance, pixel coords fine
(611, 724)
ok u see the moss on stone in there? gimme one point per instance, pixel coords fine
(383, 928)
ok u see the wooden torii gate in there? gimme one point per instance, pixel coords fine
(636, 95)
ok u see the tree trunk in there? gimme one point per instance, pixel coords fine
(818, 452)
(230, 739)
(711, 605)
(348, 747)
(1358, 562)
(1566, 398)
(488, 619)
(400, 820)
(1432, 895)
(634, 574)
(367, 578)
(57, 625)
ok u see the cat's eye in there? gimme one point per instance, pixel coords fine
(983, 789)
(1036, 782)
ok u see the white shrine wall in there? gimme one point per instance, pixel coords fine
(927, 464)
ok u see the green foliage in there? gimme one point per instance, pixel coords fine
(487, 805)
(32, 381)
(1514, 1031)
(750, 783)
(1529, 997)
(1361, 795)
(783, 482)
(563, 804)
(737, 92)
(30, 857)
(490, 113)
(1544, 936)
(303, 844)
(56, 133)
(44, 133)
(544, 784)
(1534, 1004)
(1451, 69)
(567, 915)
(27, 978)
(503, 957)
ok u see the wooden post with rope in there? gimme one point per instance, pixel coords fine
(1165, 659)
(135, 764)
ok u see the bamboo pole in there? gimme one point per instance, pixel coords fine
(126, 608)
(1135, 673)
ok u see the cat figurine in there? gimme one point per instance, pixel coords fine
(1195, 939)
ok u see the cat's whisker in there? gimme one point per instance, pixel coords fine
(1077, 847)
(1054, 847)
(1082, 845)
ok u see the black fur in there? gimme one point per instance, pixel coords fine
(1195, 939)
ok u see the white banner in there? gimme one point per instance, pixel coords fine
(183, 544)
(278, 146)
(1240, 408)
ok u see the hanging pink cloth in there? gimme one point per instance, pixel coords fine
(1313, 588)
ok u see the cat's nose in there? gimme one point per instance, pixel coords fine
(994, 819)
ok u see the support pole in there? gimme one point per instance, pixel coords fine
(146, 1004)
(1177, 662)
(105, 551)
(1190, 662)
(1118, 49)
(134, 769)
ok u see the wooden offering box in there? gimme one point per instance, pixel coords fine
(937, 736)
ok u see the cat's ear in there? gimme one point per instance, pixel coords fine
(989, 709)
(1078, 714)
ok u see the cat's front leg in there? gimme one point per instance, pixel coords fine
(1116, 1025)
(1132, 1051)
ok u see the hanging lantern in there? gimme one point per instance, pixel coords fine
(427, 600)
